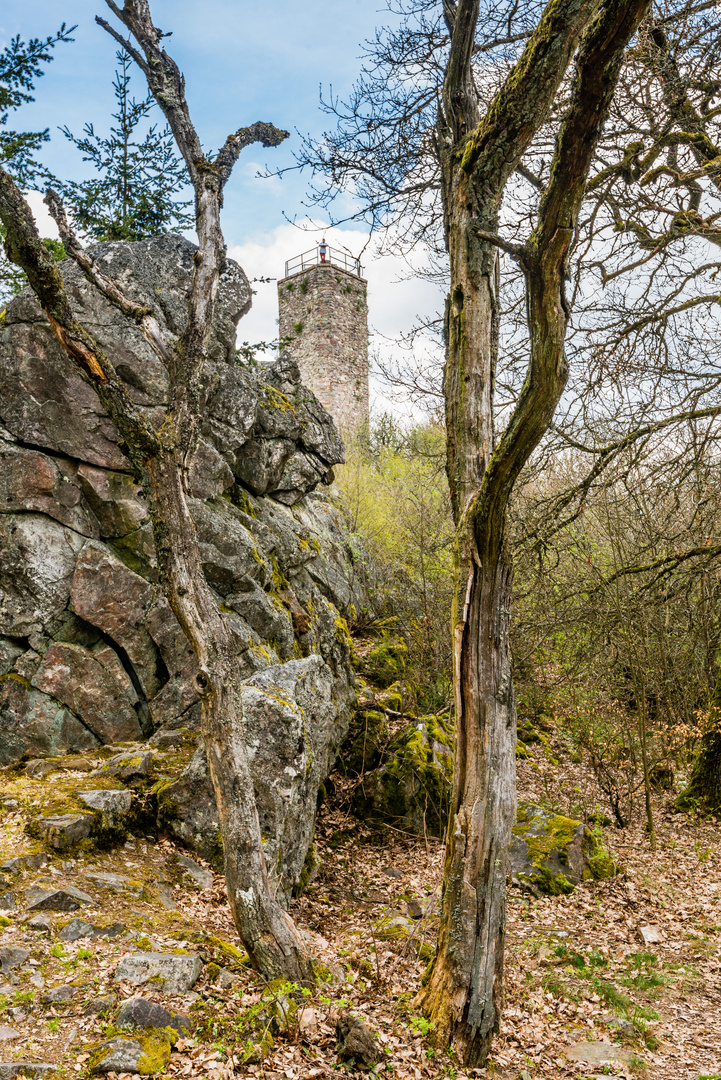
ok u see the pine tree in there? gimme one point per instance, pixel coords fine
(135, 193)
(20, 65)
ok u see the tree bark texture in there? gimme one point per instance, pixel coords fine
(463, 991)
(161, 458)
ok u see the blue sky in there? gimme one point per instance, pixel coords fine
(242, 62)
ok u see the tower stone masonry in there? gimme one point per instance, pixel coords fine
(323, 324)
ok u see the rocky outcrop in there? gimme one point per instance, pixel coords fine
(90, 653)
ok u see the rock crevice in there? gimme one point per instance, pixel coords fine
(90, 652)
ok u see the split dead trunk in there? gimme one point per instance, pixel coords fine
(464, 988)
(465, 991)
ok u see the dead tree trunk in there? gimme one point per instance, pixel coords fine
(161, 457)
(463, 994)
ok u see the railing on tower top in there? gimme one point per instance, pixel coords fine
(333, 257)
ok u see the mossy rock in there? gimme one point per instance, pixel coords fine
(398, 928)
(551, 853)
(527, 732)
(386, 663)
(145, 1054)
(412, 788)
(362, 749)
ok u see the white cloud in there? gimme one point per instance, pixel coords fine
(45, 224)
(395, 300)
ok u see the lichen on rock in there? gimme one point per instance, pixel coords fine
(90, 652)
(551, 853)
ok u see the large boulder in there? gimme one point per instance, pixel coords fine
(411, 789)
(90, 652)
(293, 726)
(552, 854)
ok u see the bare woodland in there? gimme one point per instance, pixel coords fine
(558, 170)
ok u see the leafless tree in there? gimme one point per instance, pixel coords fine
(161, 457)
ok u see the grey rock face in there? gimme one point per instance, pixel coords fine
(174, 972)
(116, 883)
(127, 766)
(64, 831)
(94, 686)
(10, 1069)
(112, 805)
(25, 862)
(11, 957)
(292, 732)
(37, 562)
(141, 1013)
(99, 1005)
(122, 1055)
(77, 929)
(58, 994)
(34, 723)
(202, 878)
(39, 898)
(38, 923)
(90, 651)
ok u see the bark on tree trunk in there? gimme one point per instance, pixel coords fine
(265, 929)
(463, 993)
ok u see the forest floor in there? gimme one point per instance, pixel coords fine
(575, 965)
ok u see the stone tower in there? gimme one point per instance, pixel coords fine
(323, 313)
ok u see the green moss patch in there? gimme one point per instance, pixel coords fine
(551, 853)
(412, 788)
(386, 663)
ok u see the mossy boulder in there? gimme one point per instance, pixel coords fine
(386, 663)
(398, 928)
(145, 1054)
(551, 854)
(412, 788)
(367, 737)
(530, 734)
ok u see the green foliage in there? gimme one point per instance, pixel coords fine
(136, 191)
(21, 63)
(421, 1026)
(398, 508)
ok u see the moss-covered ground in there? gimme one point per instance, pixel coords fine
(577, 967)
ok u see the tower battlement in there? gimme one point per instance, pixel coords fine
(323, 323)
